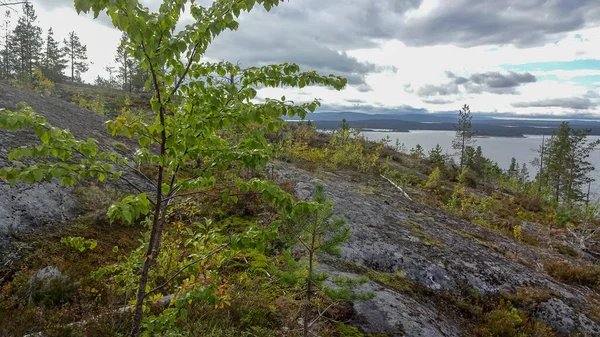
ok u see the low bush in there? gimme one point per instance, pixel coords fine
(573, 273)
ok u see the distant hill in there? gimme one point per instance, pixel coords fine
(484, 125)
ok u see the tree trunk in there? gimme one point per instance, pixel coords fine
(462, 151)
(557, 188)
(541, 174)
(308, 294)
(155, 236)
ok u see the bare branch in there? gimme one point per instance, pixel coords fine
(396, 186)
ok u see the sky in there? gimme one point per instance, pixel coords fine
(507, 56)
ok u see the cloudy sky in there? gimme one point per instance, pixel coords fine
(521, 56)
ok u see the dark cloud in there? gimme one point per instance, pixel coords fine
(290, 33)
(485, 22)
(492, 82)
(438, 90)
(588, 101)
(498, 80)
(356, 101)
(316, 34)
(348, 24)
(371, 109)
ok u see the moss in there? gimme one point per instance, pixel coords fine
(345, 266)
(344, 330)
(566, 250)
(365, 190)
(416, 230)
(396, 281)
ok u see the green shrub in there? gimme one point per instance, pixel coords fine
(79, 243)
(51, 293)
(467, 178)
(120, 147)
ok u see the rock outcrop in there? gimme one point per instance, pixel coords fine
(30, 206)
(435, 251)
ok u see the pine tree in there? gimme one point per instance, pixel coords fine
(139, 76)
(566, 161)
(464, 133)
(513, 168)
(539, 162)
(76, 54)
(125, 65)
(5, 72)
(25, 44)
(318, 232)
(53, 61)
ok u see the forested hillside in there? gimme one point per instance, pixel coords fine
(169, 200)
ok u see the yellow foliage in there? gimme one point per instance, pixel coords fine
(433, 181)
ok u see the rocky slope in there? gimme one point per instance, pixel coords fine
(418, 258)
(435, 252)
(31, 206)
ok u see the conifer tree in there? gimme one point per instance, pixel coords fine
(464, 133)
(53, 60)
(566, 161)
(125, 65)
(76, 54)
(513, 168)
(318, 232)
(436, 157)
(6, 69)
(26, 44)
(417, 152)
(523, 174)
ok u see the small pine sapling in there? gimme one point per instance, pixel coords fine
(317, 232)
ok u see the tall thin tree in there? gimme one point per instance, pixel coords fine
(464, 133)
(53, 61)
(77, 55)
(26, 43)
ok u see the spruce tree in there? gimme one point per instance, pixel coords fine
(76, 54)
(53, 61)
(25, 44)
(464, 133)
(436, 157)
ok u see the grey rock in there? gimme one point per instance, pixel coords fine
(29, 207)
(564, 320)
(437, 250)
(46, 274)
(393, 313)
(49, 286)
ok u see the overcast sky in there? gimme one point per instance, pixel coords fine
(523, 56)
